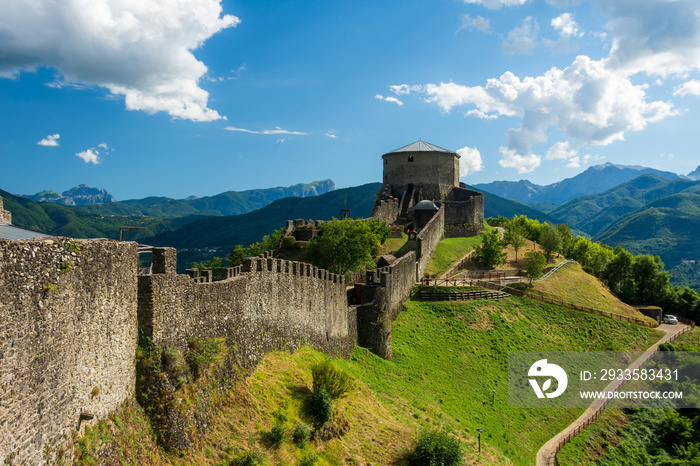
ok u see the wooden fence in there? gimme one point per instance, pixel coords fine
(597, 412)
(461, 295)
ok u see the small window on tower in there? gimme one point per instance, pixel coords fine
(410, 158)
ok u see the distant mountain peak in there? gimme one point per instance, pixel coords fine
(593, 180)
(77, 195)
(695, 175)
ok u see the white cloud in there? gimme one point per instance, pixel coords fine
(470, 161)
(561, 150)
(522, 39)
(496, 4)
(574, 162)
(388, 99)
(89, 156)
(566, 25)
(479, 23)
(689, 88)
(141, 50)
(654, 37)
(331, 134)
(404, 89)
(50, 141)
(277, 130)
(103, 145)
(588, 102)
(523, 163)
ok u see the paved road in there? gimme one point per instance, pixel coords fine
(546, 454)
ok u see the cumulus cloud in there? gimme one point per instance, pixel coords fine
(496, 4)
(654, 37)
(479, 23)
(50, 141)
(561, 150)
(566, 25)
(590, 103)
(470, 161)
(331, 134)
(388, 99)
(89, 156)
(522, 39)
(139, 50)
(404, 89)
(276, 131)
(688, 88)
(523, 163)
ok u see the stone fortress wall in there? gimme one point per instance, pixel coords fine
(68, 335)
(267, 304)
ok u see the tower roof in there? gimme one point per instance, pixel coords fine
(422, 146)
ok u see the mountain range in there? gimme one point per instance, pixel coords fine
(99, 201)
(594, 180)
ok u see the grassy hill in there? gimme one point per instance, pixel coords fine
(80, 222)
(594, 213)
(225, 232)
(667, 227)
(572, 285)
(448, 357)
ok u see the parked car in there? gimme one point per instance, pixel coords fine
(670, 319)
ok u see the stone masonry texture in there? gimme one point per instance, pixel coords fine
(67, 340)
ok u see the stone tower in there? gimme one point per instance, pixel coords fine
(423, 171)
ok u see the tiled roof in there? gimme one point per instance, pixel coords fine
(8, 231)
(422, 146)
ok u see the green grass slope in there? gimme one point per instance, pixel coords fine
(448, 357)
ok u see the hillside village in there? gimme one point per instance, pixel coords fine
(105, 361)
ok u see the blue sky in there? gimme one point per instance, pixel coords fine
(197, 97)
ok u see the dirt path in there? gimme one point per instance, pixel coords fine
(547, 454)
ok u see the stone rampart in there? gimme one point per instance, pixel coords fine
(266, 305)
(428, 239)
(68, 337)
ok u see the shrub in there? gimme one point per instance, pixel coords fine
(337, 382)
(301, 244)
(288, 242)
(254, 457)
(277, 433)
(436, 447)
(667, 347)
(321, 404)
(309, 458)
(301, 434)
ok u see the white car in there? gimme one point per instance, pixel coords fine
(670, 319)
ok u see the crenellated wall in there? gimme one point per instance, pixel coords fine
(67, 340)
(428, 239)
(267, 304)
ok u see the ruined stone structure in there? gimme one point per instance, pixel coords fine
(423, 171)
(5, 215)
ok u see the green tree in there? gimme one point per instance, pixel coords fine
(216, 264)
(652, 281)
(567, 238)
(550, 240)
(268, 243)
(346, 245)
(535, 265)
(515, 236)
(619, 276)
(490, 254)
